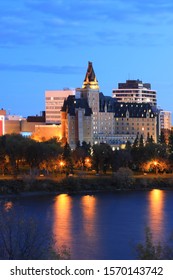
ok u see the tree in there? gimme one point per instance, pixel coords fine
(67, 156)
(34, 154)
(52, 149)
(162, 139)
(15, 150)
(149, 139)
(121, 158)
(2, 154)
(87, 148)
(128, 145)
(136, 142)
(141, 141)
(102, 154)
(80, 153)
(170, 143)
(124, 178)
(149, 250)
(20, 239)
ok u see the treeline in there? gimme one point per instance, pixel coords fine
(19, 154)
(139, 156)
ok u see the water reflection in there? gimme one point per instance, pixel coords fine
(62, 220)
(156, 213)
(8, 205)
(88, 204)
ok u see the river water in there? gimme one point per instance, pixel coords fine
(101, 225)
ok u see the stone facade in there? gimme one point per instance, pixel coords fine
(76, 121)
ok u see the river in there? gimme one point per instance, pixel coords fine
(100, 225)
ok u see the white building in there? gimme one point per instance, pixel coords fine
(135, 91)
(54, 100)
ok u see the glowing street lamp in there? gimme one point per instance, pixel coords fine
(62, 164)
(88, 162)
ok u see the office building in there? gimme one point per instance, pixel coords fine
(54, 101)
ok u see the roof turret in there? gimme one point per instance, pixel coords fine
(90, 78)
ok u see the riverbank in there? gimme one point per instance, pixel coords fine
(35, 186)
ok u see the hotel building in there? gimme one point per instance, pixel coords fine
(92, 117)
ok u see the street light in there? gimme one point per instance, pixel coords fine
(62, 164)
(88, 162)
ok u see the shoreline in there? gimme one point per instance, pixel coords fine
(77, 185)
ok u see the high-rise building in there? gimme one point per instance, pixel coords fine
(135, 91)
(165, 120)
(54, 100)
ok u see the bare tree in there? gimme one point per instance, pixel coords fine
(21, 239)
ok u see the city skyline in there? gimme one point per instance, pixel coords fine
(47, 45)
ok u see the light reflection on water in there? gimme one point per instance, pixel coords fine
(74, 215)
(78, 222)
(62, 220)
(156, 216)
(88, 204)
(8, 205)
(100, 226)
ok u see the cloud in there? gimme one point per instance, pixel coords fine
(74, 23)
(114, 10)
(130, 38)
(66, 69)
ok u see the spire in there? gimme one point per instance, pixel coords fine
(90, 78)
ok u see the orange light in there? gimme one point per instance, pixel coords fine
(87, 160)
(62, 163)
(156, 213)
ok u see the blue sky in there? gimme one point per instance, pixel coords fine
(47, 45)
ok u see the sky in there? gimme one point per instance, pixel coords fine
(46, 45)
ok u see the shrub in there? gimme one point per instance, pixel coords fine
(123, 178)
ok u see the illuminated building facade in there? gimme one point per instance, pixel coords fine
(165, 119)
(135, 91)
(54, 101)
(109, 121)
(76, 121)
